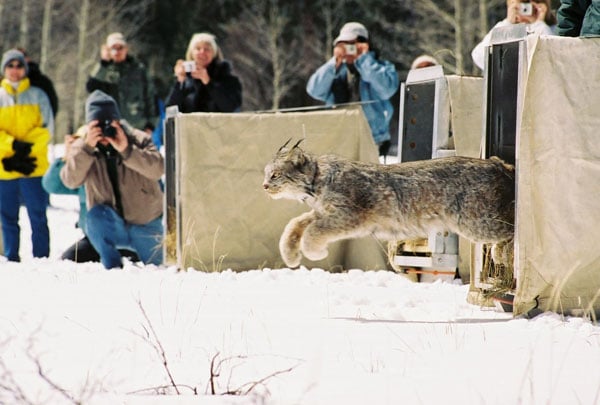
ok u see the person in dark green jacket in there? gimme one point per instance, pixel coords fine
(579, 18)
(126, 80)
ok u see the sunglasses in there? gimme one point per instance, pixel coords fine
(15, 66)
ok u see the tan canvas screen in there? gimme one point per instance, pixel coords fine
(226, 220)
(558, 192)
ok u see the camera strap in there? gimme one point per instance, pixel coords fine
(111, 156)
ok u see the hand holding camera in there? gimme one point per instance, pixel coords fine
(525, 12)
(348, 52)
(180, 70)
(106, 132)
(189, 66)
(185, 68)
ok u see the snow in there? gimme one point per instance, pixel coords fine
(301, 336)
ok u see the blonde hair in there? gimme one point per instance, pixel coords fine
(550, 15)
(203, 37)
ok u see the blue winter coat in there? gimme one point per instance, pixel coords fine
(378, 82)
(53, 184)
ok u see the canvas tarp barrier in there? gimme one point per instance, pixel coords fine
(466, 113)
(226, 219)
(558, 179)
(465, 94)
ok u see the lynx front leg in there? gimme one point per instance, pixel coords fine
(289, 243)
(318, 235)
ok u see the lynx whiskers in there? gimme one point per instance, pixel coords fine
(471, 197)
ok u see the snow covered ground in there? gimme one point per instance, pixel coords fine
(76, 333)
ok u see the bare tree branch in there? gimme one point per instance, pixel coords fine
(52, 384)
(158, 346)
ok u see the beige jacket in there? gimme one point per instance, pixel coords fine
(139, 169)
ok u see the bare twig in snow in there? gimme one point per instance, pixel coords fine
(159, 348)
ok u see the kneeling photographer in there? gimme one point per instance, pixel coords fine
(120, 168)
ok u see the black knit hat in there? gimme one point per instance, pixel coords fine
(100, 106)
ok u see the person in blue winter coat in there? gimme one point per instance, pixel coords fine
(354, 73)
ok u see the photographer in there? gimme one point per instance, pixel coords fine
(537, 14)
(355, 73)
(120, 168)
(204, 80)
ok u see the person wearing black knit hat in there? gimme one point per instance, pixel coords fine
(120, 168)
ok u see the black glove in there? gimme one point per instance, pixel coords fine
(21, 148)
(21, 164)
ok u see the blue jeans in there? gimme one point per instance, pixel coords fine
(30, 190)
(108, 232)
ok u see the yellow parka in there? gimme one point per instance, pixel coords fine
(25, 115)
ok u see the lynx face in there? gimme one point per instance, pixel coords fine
(288, 176)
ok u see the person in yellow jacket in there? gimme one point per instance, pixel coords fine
(26, 126)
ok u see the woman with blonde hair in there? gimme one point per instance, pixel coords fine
(204, 80)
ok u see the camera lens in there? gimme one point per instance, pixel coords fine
(108, 130)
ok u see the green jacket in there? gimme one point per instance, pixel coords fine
(130, 85)
(579, 18)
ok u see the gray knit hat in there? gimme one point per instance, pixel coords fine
(14, 54)
(101, 106)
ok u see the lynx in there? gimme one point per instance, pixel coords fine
(471, 197)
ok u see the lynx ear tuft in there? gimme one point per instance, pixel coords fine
(284, 145)
(297, 143)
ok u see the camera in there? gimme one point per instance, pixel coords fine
(189, 66)
(108, 131)
(526, 9)
(350, 49)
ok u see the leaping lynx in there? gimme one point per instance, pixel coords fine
(471, 197)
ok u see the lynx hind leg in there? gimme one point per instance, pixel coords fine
(503, 253)
(289, 243)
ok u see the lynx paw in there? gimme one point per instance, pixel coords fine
(315, 255)
(289, 244)
(289, 247)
